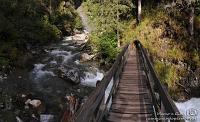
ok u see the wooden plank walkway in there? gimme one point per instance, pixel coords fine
(132, 101)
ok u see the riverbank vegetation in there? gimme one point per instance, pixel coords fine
(165, 30)
(25, 25)
(108, 18)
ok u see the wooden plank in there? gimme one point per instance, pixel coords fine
(122, 82)
(129, 115)
(122, 102)
(131, 72)
(132, 89)
(132, 111)
(136, 111)
(136, 85)
(132, 92)
(136, 96)
(132, 84)
(116, 117)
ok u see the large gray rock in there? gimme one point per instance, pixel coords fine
(69, 74)
(86, 57)
(34, 103)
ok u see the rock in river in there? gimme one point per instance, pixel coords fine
(69, 74)
(34, 103)
(86, 57)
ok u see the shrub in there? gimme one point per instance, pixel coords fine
(78, 23)
(166, 72)
(4, 61)
(107, 46)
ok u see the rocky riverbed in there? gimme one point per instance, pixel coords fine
(64, 73)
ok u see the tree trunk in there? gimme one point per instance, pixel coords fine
(139, 11)
(50, 7)
(191, 28)
(157, 2)
(118, 41)
(191, 21)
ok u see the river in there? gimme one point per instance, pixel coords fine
(47, 83)
(190, 109)
(44, 83)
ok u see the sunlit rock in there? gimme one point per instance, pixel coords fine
(35, 103)
(86, 57)
(69, 74)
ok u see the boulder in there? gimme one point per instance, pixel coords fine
(86, 57)
(77, 31)
(80, 37)
(69, 74)
(35, 103)
(27, 101)
(18, 119)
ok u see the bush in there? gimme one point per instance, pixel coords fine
(107, 46)
(49, 29)
(166, 72)
(30, 23)
(4, 62)
(66, 18)
(78, 23)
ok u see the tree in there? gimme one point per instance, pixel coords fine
(108, 15)
(191, 21)
(139, 8)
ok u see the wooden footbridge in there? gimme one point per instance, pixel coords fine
(129, 92)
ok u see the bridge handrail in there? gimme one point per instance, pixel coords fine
(164, 102)
(95, 106)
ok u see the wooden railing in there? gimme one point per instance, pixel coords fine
(97, 104)
(162, 102)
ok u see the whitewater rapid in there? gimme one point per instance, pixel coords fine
(91, 78)
(190, 109)
(60, 56)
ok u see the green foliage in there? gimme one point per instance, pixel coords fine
(32, 22)
(169, 74)
(49, 29)
(109, 15)
(196, 58)
(78, 23)
(66, 18)
(109, 18)
(107, 46)
(4, 61)
(166, 72)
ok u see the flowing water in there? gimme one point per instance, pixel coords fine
(43, 81)
(190, 109)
